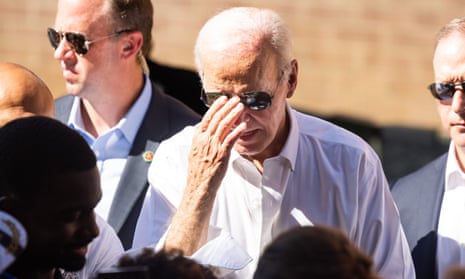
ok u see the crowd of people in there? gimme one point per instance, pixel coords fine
(132, 175)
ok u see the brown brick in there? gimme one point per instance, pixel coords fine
(364, 59)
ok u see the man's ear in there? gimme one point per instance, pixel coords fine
(292, 78)
(132, 43)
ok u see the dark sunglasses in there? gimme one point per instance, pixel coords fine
(444, 91)
(256, 100)
(77, 40)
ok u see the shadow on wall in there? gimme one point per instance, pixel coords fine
(402, 150)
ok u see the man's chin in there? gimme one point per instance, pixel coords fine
(242, 150)
(73, 263)
(459, 140)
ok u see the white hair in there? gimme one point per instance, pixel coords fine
(239, 30)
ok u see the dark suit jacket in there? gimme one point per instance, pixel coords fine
(419, 198)
(165, 116)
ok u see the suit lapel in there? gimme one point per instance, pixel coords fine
(425, 251)
(133, 181)
(432, 192)
(63, 108)
(132, 184)
(419, 198)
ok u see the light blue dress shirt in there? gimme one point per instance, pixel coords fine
(112, 147)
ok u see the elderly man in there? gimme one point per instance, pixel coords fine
(254, 167)
(23, 94)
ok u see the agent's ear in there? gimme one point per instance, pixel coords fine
(292, 78)
(132, 43)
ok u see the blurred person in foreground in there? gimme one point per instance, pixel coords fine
(13, 240)
(254, 167)
(22, 94)
(316, 252)
(431, 200)
(100, 45)
(49, 181)
(454, 272)
(149, 264)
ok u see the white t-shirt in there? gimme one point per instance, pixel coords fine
(451, 228)
(104, 251)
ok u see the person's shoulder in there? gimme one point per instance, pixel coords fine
(63, 107)
(64, 99)
(316, 128)
(417, 178)
(177, 145)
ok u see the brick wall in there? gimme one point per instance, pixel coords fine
(364, 59)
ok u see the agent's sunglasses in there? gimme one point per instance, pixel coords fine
(256, 100)
(444, 91)
(77, 40)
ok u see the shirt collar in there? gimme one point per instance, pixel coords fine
(289, 150)
(455, 177)
(128, 125)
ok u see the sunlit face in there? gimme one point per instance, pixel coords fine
(266, 130)
(60, 221)
(449, 66)
(83, 74)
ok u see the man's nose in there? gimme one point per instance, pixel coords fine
(458, 99)
(91, 226)
(62, 49)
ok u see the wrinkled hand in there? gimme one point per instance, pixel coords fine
(212, 143)
(213, 140)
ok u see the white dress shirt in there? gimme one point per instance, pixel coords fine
(451, 228)
(324, 175)
(103, 252)
(112, 147)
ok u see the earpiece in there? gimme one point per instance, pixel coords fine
(127, 47)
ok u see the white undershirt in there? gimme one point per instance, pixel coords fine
(451, 228)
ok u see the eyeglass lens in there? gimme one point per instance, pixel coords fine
(253, 100)
(444, 91)
(77, 40)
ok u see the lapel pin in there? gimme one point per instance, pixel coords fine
(147, 156)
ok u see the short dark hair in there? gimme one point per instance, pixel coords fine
(134, 15)
(36, 147)
(165, 265)
(316, 252)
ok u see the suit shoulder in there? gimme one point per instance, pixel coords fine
(65, 99)
(63, 106)
(418, 178)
